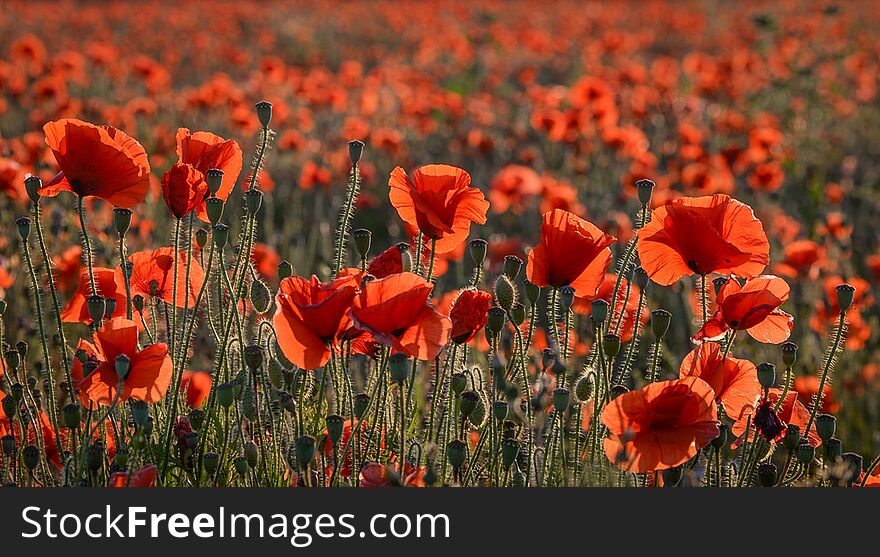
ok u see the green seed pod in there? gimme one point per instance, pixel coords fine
(644, 190)
(109, 307)
(140, 412)
(249, 403)
(458, 382)
(226, 394)
(611, 345)
(583, 389)
(792, 437)
(214, 206)
(261, 298)
(566, 298)
(264, 112)
(430, 477)
(500, 410)
(561, 398)
(276, 374)
(17, 391)
(24, 227)
(221, 235)
(96, 307)
(641, 278)
(32, 185)
(399, 365)
(845, 295)
(285, 269)
(355, 150)
(598, 311)
(121, 220)
(197, 418)
(95, 456)
(505, 293)
(805, 452)
(456, 453)
(252, 454)
(509, 452)
(201, 238)
(660, 319)
(671, 476)
(833, 449)
(7, 443)
(30, 455)
(361, 402)
(363, 240)
(789, 354)
(214, 179)
(253, 200)
(721, 440)
(211, 461)
(766, 375)
(495, 319)
(71, 415)
(533, 292)
(22, 348)
(512, 266)
(469, 401)
(304, 448)
(766, 474)
(477, 248)
(253, 356)
(335, 427)
(138, 302)
(241, 466)
(518, 314)
(826, 426)
(406, 260)
(122, 366)
(478, 416)
(13, 359)
(618, 390)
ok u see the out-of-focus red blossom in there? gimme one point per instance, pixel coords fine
(807, 387)
(197, 386)
(12, 177)
(512, 188)
(624, 311)
(753, 307)
(802, 258)
(109, 284)
(143, 477)
(67, 268)
(827, 310)
(266, 261)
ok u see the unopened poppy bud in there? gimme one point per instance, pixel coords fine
(505, 293)
(458, 382)
(214, 207)
(660, 319)
(845, 294)
(95, 456)
(355, 150)
(252, 454)
(566, 297)
(495, 319)
(721, 440)
(406, 261)
(766, 474)
(645, 189)
(789, 354)
(122, 366)
(13, 358)
(109, 307)
(17, 390)
(122, 220)
(196, 418)
(221, 235)
(598, 311)
(261, 298)
(805, 452)
(611, 345)
(226, 394)
(201, 238)
(24, 227)
(854, 464)
(214, 179)
(22, 347)
(97, 307)
(10, 406)
(253, 200)
(500, 410)
(671, 476)
(138, 302)
(32, 185)
(253, 356)
(363, 240)
(456, 453)
(241, 466)
(7, 442)
(249, 403)
(361, 402)
(833, 449)
(641, 278)
(518, 479)
(399, 365)
(469, 402)
(30, 456)
(533, 292)
(285, 269)
(154, 288)
(478, 416)
(140, 412)
(618, 390)
(826, 426)
(477, 248)
(264, 112)
(509, 452)
(583, 389)
(512, 266)
(335, 426)
(766, 375)
(518, 314)
(561, 398)
(71, 415)
(211, 461)
(792, 437)
(304, 448)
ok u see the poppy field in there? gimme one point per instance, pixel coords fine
(428, 244)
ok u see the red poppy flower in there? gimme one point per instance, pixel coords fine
(98, 161)
(53, 455)
(197, 386)
(309, 317)
(144, 477)
(512, 187)
(792, 412)
(203, 151)
(345, 466)
(184, 189)
(266, 261)
(110, 285)
(703, 235)
(438, 201)
(395, 310)
(149, 375)
(12, 177)
(469, 314)
(753, 308)
(157, 267)
(629, 306)
(573, 252)
(660, 426)
(734, 381)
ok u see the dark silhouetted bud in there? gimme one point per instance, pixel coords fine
(505, 293)
(458, 382)
(853, 463)
(211, 461)
(721, 440)
(253, 356)
(285, 269)
(833, 449)
(766, 375)
(583, 389)
(30, 456)
(805, 452)
(97, 307)
(304, 448)
(845, 294)
(122, 220)
(789, 353)
(533, 292)
(264, 112)
(561, 398)
(644, 190)
(598, 311)
(138, 302)
(766, 474)
(241, 466)
(399, 365)
(500, 410)
(671, 476)
(109, 307)
(24, 227)
(253, 200)
(518, 314)
(201, 238)
(140, 412)
(7, 443)
(122, 365)
(363, 240)
(71, 415)
(287, 402)
(611, 345)
(32, 185)
(221, 235)
(456, 453)
(196, 418)
(512, 266)
(566, 297)
(214, 179)
(335, 427)
(214, 206)
(826, 426)
(618, 390)
(95, 456)
(477, 248)
(469, 401)
(495, 319)
(660, 319)
(509, 452)
(261, 298)
(361, 403)
(640, 278)
(252, 454)
(226, 394)
(792, 437)
(355, 150)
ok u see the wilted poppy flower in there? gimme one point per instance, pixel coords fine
(197, 386)
(397, 312)
(573, 252)
(791, 412)
(309, 317)
(150, 369)
(98, 161)
(157, 267)
(201, 152)
(439, 202)
(660, 426)
(703, 235)
(469, 314)
(144, 477)
(753, 308)
(734, 381)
